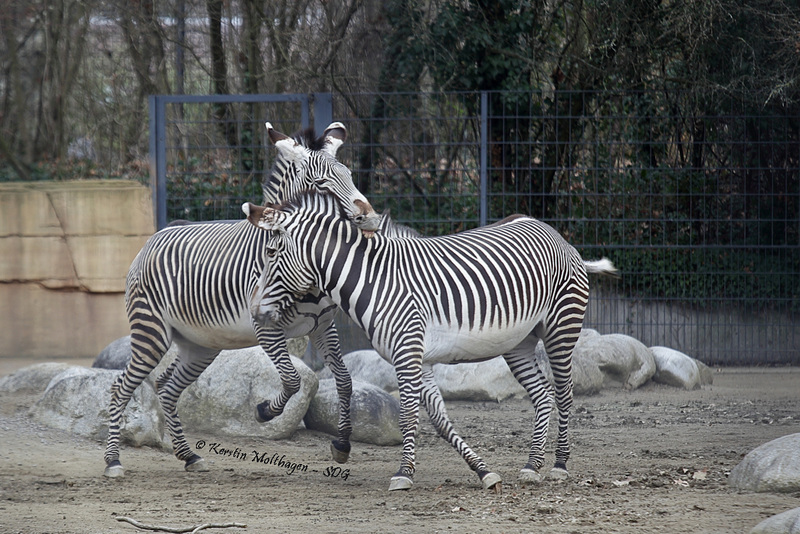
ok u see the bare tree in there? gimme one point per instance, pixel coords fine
(714, 47)
(43, 49)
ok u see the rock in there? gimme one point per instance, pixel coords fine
(351, 339)
(367, 366)
(675, 368)
(772, 467)
(706, 374)
(116, 355)
(224, 398)
(32, 379)
(620, 358)
(785, 523)
(490, 380)
(76, 400)
(374, 413)
(587, 379)
(588, 334)
(484, 381)
(221, 402)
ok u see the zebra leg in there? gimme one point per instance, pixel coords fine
(166, 375)
(326, 341)
(147, 348)
(531, 377)
(559, 347)
(273, 341)
(434, 405)
(407, 360)
(191, 362)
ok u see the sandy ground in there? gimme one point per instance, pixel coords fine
(651, 460)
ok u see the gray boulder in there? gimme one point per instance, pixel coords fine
(621, 358)
(221, 402)
(32, 379)
(785, 523)
(484, 381)
(76, 400)
(367, 366)
(706, 374)
(374, 413)
(490, 380)
(587, 379)
(115, 355)
(224, 398)
(772, 467)
(676, 369)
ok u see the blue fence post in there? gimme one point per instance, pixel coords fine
(484, 148)
(305, 113)
(158, 160)
(323, 111)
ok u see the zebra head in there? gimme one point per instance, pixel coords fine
(308, 163)
(303, 224)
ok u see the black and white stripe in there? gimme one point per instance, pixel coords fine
(194, 285)
(471, 296)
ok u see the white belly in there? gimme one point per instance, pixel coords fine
(305, 318)
(445, 344)
(232, 336)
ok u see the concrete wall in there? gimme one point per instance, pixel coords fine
(65, 249)
(731, 336)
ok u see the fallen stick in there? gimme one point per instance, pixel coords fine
(196, 528)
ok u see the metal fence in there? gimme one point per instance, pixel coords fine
(700, 211)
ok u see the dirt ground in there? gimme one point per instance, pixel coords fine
(651, 460)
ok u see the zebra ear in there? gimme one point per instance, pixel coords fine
(262, 217)
(274, 135)
(287, 147)
(335, 135)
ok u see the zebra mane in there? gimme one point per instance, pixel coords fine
(327, 202)
(390, 228)
(313, 199)
(308, 138)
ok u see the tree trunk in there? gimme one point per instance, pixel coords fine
(219, 72)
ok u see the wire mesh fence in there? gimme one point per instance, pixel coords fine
(699, 210)
(211, 153)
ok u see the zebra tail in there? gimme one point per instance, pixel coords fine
(603, 267)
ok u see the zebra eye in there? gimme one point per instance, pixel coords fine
(272, 252)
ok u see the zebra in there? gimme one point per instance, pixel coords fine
(192, 284)
(471, 296)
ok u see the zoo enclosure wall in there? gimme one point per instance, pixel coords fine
(700, 211)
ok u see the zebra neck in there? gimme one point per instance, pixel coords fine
(272, 194)
(340, 256)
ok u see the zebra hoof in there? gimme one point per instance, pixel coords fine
(529, 476)
(400, 483)
(262, 413)
(114, 470)
(558, 473)
(492, 481)
(195, 464)
(340, 455)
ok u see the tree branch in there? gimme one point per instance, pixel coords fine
(196, 528)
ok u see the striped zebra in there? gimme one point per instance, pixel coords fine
(471, 296)
(192, 284)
